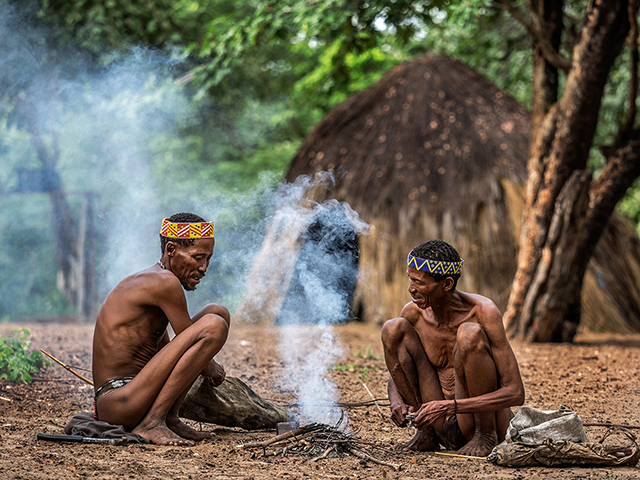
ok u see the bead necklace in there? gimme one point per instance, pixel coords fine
(161, 265)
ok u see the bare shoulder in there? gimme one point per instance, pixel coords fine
(484, 309)
(149, 285)
(488, 315)
(411, 312)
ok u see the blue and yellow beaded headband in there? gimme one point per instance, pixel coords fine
(186, 230)
(435, 266)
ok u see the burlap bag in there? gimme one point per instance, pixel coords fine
(557, 438)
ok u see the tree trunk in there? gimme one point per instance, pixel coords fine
(545, 75)
(564, 212)
(63, 224)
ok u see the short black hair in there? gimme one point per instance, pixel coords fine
(438, 250)
(182, 217)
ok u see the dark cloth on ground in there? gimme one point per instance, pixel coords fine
(85, 425)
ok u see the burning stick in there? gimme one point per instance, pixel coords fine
(324, 455)
(317, 441)
(67, 367)
(293, 433)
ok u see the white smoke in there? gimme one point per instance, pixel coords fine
(119, 133)
(312, 250)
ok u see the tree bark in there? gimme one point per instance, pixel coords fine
(545, 74)
(564, 211)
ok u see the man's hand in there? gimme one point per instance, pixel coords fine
(215, 371)
(398, 412)
(430, 412)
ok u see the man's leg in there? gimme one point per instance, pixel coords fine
(414, 377)
(173, 419)
(143, 405)
(476, 375)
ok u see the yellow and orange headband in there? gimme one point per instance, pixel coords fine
(186, 230)
(435, 266)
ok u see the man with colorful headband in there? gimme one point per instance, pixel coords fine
(140, 375)
(453, 374)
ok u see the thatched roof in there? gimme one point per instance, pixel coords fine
(434, 150)
(430, 131)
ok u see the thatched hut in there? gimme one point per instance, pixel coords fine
(434, 150)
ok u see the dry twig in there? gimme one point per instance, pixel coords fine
(366, 456)
(611, 425)
(460, 456)
(67, 368)
(316, 442)
(374, 400)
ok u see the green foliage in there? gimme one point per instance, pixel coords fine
(96, 24)
(365, 352)
(16, 365)
(238, 87)
(629, 206)
(352, 367)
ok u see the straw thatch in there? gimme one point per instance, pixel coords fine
(434, 150)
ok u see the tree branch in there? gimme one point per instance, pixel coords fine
(621, 170)
(535, 30)
(633, 88)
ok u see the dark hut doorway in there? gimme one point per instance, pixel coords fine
(324, 279)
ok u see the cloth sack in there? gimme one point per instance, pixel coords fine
(565, 453)
(557, 438)
(531, 425)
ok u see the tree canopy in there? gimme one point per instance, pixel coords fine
(212, 93)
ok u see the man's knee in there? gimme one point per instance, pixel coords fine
(215, 309)
(214, 327)
(393, 331)
(471, 338)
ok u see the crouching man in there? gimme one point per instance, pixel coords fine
(450, 363)
(141, 378)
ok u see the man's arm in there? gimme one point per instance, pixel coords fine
(398, 407)
(167, 294)
(510, 391)
(171, 299)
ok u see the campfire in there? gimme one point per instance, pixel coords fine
(317, 441)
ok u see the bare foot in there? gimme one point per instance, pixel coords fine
(480, 445)
(161, 435)
(424, 440)
(185, 431)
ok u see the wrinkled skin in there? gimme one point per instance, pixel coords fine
(449, 344)
(131, 339)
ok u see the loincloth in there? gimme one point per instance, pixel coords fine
(108, 387)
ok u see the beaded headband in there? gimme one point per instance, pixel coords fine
(186, 230)
(435, 266)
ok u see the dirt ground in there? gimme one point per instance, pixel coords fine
(597, 377)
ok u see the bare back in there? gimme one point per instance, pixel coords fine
(131, 325)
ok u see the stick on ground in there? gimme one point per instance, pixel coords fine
(374, 400)
(365, 456)
(67, 368)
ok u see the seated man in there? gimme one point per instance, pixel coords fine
(141, 378)
(449, 359)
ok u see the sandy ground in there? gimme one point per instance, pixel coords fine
(596, 377)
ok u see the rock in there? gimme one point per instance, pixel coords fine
(231, 404)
